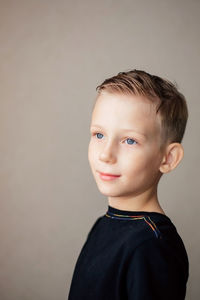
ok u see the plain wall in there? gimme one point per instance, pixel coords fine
(53, 54)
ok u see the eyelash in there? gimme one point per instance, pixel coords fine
(128, 138)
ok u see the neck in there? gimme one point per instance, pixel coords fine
(148, 201)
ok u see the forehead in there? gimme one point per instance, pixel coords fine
(125, 111)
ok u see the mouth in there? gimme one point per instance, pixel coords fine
(106, 176)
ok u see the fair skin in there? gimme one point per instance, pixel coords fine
(134, 155)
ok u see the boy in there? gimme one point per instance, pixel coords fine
(134, 251)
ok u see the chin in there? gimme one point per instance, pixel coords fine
(109, 191)
(109, 194)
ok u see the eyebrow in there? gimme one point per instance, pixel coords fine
(123, 129)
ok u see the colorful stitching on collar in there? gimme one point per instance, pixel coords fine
(151, 224)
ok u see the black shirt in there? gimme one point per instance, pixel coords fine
(131, 255)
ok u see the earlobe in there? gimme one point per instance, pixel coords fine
(172, 157)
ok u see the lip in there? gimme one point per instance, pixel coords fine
(106, 176)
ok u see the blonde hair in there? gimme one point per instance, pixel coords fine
(172, 106)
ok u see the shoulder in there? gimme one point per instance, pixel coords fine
(156, 231)
(154, 247)
(162, 256)
(158, 242)
(94, 225)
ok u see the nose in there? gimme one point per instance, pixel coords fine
(108, 154)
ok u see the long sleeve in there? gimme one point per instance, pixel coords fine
(155, 273)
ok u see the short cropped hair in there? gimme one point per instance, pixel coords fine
(172, 106)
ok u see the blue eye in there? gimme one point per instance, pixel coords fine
(98, 133)
(131, 140)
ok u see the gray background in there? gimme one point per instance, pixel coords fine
(53, 54)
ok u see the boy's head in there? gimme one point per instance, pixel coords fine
(171, 104)
(154, 115)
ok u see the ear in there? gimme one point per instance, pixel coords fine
(173, 155)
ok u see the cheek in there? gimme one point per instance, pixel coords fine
(136, 166)
(132, 157)
(139, 161)
(150, 165)
(91, 153)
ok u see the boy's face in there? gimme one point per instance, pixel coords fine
(134, 155)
